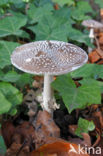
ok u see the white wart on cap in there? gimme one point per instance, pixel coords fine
(48, 57)
(92, 24)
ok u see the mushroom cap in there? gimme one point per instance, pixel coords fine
(92, 24)
(48, 57)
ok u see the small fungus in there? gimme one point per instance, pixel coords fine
(92, 24)
(48, 58)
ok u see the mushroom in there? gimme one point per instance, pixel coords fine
(92, 24)
(48, 58)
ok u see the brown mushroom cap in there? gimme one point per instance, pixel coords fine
(92, 24)
(51, 57)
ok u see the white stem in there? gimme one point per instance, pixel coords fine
(91, 33)
(48, 92)
(91, 36)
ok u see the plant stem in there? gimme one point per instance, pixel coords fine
(47, 93)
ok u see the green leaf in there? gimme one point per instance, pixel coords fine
(99, 2)
(50, 28)
(79, 12)
(5, 105)
(65, 14)
(77, 97)
(74, 33)
(1, 74)
(6, 49)
(84, 126)
(20, 79)
(24, 80)
(63, 2)
(26, 1)
(13, 112)
(88, 81)
(2, 146)
(100, 83)
(3, 2)
(37, 13)
(42, 2)
(11, 25)
(86, 9)
(12, 94)
(89, 70)
(23, 34)
(11, 76)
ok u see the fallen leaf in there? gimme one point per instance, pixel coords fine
(7, 131)
(101, 40)
(72, 129)
(20, 134)
(87, 139)
(93, 56)
(100, 62)
(14, 150)
(97, 140)
(56, 7)
(58, 147)
(45, 127)
(98, 119)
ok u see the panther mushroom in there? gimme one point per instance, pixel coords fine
(48, 58)
(92, 25)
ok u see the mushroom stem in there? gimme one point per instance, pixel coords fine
(48, 93)
(91, 36)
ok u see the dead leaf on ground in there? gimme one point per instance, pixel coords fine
(97, 117)
(45, 127)
(100, 145)
(8, 131)
(58, 147)
(14, 150)
(86, 141)
(101, 40)
(56, 7)
(19, 134)
(100, 62)
(72, 129)
(94, 56)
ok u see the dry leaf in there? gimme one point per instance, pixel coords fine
(58, 147)
(45, 127)
(94, 56)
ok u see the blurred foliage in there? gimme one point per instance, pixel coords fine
(100, 3)
(23, 21)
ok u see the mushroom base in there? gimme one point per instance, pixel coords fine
(49, 103)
